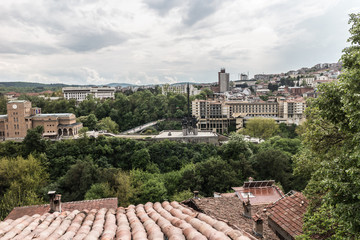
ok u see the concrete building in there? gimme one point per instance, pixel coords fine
(218, 116)
(224, 79)
(293, 110)
(81, 93)
(179, 89)
(21, 116)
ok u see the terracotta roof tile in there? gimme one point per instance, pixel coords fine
(150, 221)
(230, 210)
(18, 212)
(288, 213)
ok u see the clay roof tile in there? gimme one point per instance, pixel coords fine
(150, 221)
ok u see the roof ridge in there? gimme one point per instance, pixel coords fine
(47, 204)
(90, 200)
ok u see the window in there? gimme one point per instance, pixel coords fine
(247, 194)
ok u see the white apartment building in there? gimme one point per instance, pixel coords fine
(179, 89)
(81, 93)
(309, 81)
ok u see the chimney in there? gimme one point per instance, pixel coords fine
(258, 225)
(55, 201)
(196, 194)
(247, 208)
(251, 179)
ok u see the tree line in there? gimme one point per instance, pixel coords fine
(136, 171)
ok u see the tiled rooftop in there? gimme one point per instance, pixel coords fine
(288, 213)
(230, 210)
(18, 212)
(149, 221)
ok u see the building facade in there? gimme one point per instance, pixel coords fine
(220, 115)
(179, 89)
(223, 81)
(81, 93)
(21, 116)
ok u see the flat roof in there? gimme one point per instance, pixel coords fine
(259, 192)
(53, 115)
(3, 116)
(179, 134)
(18, 101)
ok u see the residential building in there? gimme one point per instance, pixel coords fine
(219, 115)
(81, 93)
(293, 110)
(179, 89)
(285, 217)
(223, 79)
(21, 116)
(144, 221)
(258, 192)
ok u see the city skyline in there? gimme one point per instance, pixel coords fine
(159, 41)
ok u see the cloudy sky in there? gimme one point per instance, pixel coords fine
(159, 41)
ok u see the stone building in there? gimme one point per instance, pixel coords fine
(21, 116)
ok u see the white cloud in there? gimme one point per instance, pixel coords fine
(157, 41)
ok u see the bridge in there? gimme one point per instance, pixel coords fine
(141, 127)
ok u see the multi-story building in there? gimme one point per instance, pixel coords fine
(293, 110)
(224, 79)
(179, 89)
(21, 116)
(220, 115)
(81, 93)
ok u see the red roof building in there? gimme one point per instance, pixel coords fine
(159, 221)
(285, 217)
(259, 192)
(97, 204)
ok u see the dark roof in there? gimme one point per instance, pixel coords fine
(260, 192)
(158, 221)
(18, 212)
(288, 213)
(230, 210)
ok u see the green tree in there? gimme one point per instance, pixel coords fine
(261, 128)
(89, 121)
(3, 103)
(78, 180)
(108, 125)
(211, 175)
(273, 164)
(33, 142)
(332, 138)
(21, 180)
(99, 190)
(140, 158)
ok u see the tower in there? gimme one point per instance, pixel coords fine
(223, 80)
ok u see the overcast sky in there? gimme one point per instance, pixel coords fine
(166, 41)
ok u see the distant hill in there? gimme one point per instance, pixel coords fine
(181, 83)
(120, 85)
(31, 84)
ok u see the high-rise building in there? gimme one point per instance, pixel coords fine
(223, 81)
